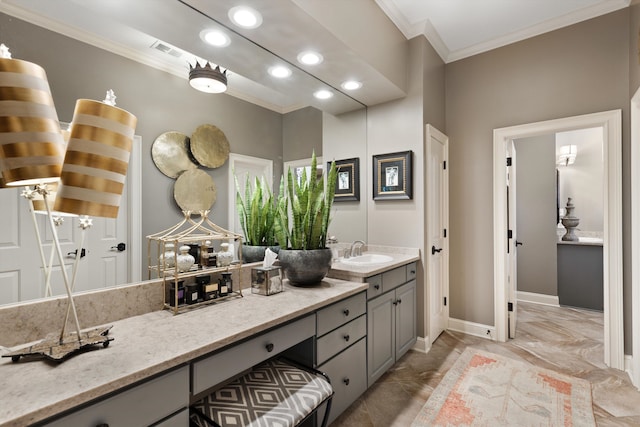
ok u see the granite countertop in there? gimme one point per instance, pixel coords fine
(399, 257)
(583, 241)
(149, 344)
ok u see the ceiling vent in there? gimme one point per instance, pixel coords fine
(168, 49)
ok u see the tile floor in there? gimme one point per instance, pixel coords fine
(562, 339)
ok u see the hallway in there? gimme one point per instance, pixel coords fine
(566, 340)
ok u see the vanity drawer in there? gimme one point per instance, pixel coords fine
(221, 366)
(412, 270)
(140, 406)
(393, 278)
(341, 312)
(375, 286)
(336, 341)
(348, 374)
(180, 419)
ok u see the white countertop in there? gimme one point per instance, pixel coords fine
(399, 257)
(145, 345)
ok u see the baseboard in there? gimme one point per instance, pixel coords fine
(538, 298)
(471, 328)
(423, 345)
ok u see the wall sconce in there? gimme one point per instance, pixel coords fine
(567, 155)
(207, 79)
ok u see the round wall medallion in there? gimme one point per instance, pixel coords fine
(195, 191)
(209, 146)
(170, 153)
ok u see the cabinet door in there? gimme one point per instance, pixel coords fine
(405, 305)
(380, 335)
(348, 378)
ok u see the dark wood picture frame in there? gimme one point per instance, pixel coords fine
(348, 182)
(393, 176)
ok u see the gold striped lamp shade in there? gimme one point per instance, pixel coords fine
(31, 144)
(97, 158)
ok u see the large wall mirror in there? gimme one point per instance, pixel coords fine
(83, 48)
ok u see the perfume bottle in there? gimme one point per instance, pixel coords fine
(225, 285)
(224, 256)
(168, 258)
(185, 260)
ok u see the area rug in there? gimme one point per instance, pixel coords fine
(486, 389)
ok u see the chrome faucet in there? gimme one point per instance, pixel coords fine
(356, 248)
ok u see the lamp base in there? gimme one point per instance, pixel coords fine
(58, 350)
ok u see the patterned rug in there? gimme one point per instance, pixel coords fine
(485, 389)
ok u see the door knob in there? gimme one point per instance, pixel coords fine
(519, 243)
(434, 250)
(120, 247)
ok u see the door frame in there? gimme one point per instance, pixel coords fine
(432, 132)
(635, 237)
(611, 122)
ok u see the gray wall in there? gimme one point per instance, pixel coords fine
(536, 214)
(162, 102)
(575, 70)
(301, 134)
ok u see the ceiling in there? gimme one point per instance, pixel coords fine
(365, 41)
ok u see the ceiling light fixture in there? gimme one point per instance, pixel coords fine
(323, 94)
(351, 85)
(310, 58)
(207, 79)
(215, 38)
(245, 17)
(280, 71)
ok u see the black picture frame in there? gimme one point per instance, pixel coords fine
(393, 176)
(348, 182)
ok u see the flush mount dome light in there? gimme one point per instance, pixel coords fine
(207, 79)
(351, 85)
(245, 17)
(215, 38)
(280, 71)
(310, 58)
(323, 94)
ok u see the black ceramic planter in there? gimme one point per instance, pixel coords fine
(256, 253)
(305, 267)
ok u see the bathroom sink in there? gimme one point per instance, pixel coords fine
(367, 259)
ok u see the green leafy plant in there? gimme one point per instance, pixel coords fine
(257, 212)
(310, 207)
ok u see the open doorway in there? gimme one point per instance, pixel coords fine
(611, 124)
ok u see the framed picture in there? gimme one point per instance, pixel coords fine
(348, 182)
(392, 176)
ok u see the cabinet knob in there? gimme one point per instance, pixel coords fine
(376, 287)
(399, 301)
(412, 272)
(102, 425)
(346, 312)
(346, 381)
(269, 347)
(395, 302)
(347, 338)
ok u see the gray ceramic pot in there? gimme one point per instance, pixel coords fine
(256, 253)
(305, 267)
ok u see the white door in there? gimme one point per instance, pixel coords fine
(512, 247)
(437, 200)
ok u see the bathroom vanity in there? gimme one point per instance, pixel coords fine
(580, 274)
(159, 363)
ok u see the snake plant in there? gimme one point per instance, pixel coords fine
(257, 212)
(310, 207)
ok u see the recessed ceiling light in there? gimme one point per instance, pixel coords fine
(310, 58)
(245, 17)
(323, 94)
(351, 85)
(215, 38)
(280, 71)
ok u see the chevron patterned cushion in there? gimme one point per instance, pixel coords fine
(275, 393)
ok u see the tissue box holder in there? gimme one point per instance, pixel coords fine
(266, 280)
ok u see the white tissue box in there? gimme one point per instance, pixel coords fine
(266, 280)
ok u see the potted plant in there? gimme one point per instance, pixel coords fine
(306, 259)
(257, 212)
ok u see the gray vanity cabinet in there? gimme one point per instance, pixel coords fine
(341, 350)
(391, 323)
